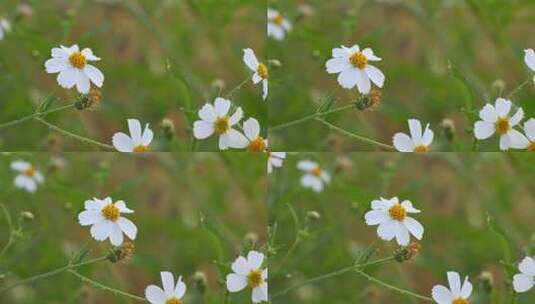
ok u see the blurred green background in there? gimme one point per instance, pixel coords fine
(482, 39)
(157, 57)
(194, 212)
(456, 193)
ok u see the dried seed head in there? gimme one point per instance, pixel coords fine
(369, 102)
(90, 100)
(122, 253)
(408, 253)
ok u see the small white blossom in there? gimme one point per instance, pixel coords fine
(417, 141)
(277, 26)
(138, 141)
(261, 73)
(315, 177)
(248, 272)
(456, 294)
(525, 280)
(275, 159)
(28, 177)
(170, 294)
(529, 59)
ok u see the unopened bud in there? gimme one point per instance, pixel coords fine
(486, 279)
(200, 280)
(168, 128)
(218, 84)
(274, 63)
(498, 86)
(26, 216)
(313, 216)
(250, 239)
(448, 127)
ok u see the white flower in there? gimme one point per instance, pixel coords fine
(106, 221)
(393, 221)
(28, 176)
(5, 27)
(275, 159)
(277, 26)
(496, 119)
(170, 294)
(525, 280)
(260, 70)
(352, 64)
(137, 141)
(251, 129)
(248, 272)
(529, 130)
(74, 69)
(456, 294)
(215, 119)
(315, 177)
(529, 59)
(417, 142)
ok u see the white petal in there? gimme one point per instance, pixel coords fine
(454, 281)
(256, 78)
(250, 60)
(251, 128)
(236, 282)
(522, 282)
(517, 117)
(20, 165)
(121, 205)
(402, 234)
(255, 259)
(375, 217)
(207, 113)
(466, 289)
(529, 129)
(67, 78)
(505, 143)
(134, 126)
(236, 139)
(488, 113)
(88, 53)
(403, 143)
(155, 295)
(221, 106)
(517, 140)
(202, 129)
(415, 128)
(427, 138)
(313, 182)
(101, 230)
(236, 117)
(275, 31)
(370, 55)
(147, 137)
(363, 82)
(122, 142)
(407, 205)
(337, 65)
(503, 106)
(483, 129)
(442, 295)
(55, 65)
(94, 74)
(264, 89)
(93, 205)
(375, 75)
(387, 230)
(168, 283)
(240, 266)
(340, 52)
(127, 227)
(26, 183)
(306, 165)
(529, 58)
(180, 288)
(414, 227)
(90, 217)
(348, 78)
(82, 83)
(116, 235)
(380, 204)
(527, 266)
(259, 294)
(59, 53)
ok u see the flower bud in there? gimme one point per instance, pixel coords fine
(274, 63)
(486, 279)
(26, 216)
(250, 239)
(200, 280)
(313, 216)
(168, 128)
(448, 127)
(218, 84)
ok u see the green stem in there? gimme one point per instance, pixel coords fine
(310, 117)
(10, 228)
(356, 136)
(52, 273)
(331, 275)
(394, 288)
(236, 88)
(75, 136)
(519, 88)
(104, 287)
(34, 115)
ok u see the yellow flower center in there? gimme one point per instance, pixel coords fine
(397, 212)
(532, 146)
(77, 60)
(278, 20)
(460, 301)
(254, 278)
(111, 212)
(358, 60)
(421, 148)
(30, 172)
(316, 171)
(502, 125)
(221, 125)
(257, 145)
(262, 70)
(141, 148)
(173, 300)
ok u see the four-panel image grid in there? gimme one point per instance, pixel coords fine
(267, 151)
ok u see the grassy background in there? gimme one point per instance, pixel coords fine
(484, 40)
(170, 193)
(157, 57)
(456, 193)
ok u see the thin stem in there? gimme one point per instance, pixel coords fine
(331, 275)
(297, 238)
(34, 115)
(519, 88)
(104, 287)
(310, 117)
(10, 228)
(236, 88)
(394, 288)
(75, 136)
(356, 136)
(52, 272)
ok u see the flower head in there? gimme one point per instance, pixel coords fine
(354, 69)
(529, 130)
(5, 27)
(251, 129)
(248, 272)
(138, 141)
(104, 217)
(456, 294)
(275, 159)
(496, 119)
(315, 177)
(74, 69)
(417, 141)
(394, 220)
(216, 119)
(529, 59)
(261, 72)
(28, 177)
(525, 280)
(170, 294)
(277, 26)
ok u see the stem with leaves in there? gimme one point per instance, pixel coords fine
(34, 115)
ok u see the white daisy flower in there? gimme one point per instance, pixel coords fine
(74, 69)
(416, 142)
(393, 221)
(5, 27)
(529, 59)
(277, 26)
(315, 178)
(496, 119)
(260, 70)
(525, 280)
(275, 159)
(138, 141)
(251, 129)
(106, 221)
(248, 272)
(456, 294)
(352, 64)
(529, 130)
(215, 119)
(28, 177)
(170, 294)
